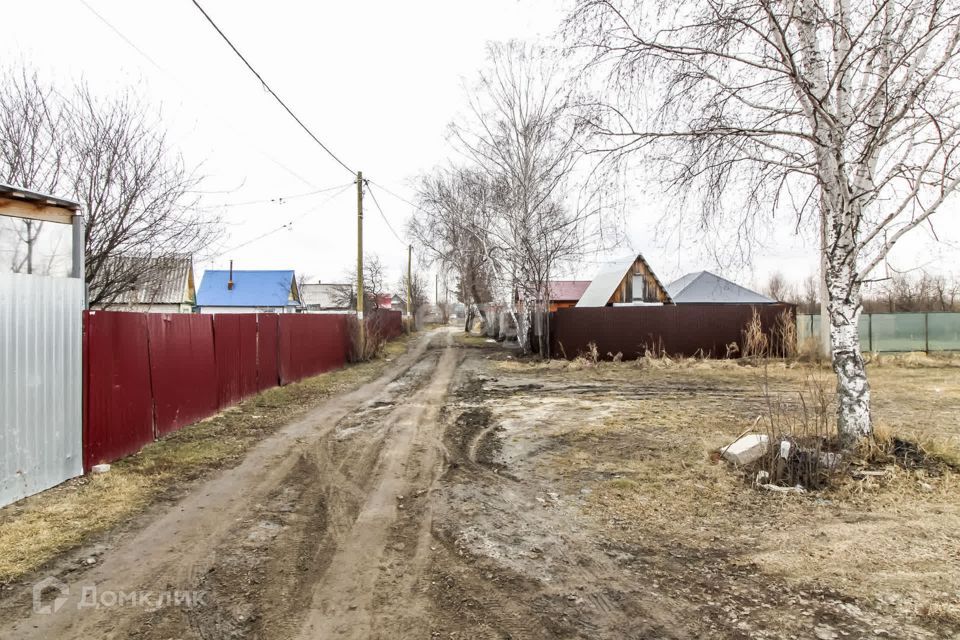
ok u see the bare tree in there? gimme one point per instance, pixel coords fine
(810, 300)
(138, 197)
(843, 113)
(453, 226)
(111, 155)
(778, 288)
(419, 296)
(32, 150)
(906, 292)
(517, 210)
(374, 285)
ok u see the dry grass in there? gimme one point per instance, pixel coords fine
(473, 340)
(640, 442)
(38, 528)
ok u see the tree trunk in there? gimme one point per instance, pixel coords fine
(853, 390)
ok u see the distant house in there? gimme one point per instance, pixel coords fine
(566, 293)
(248, 292)
(628, 281)
(320, 297)
(164, 285)
(703, 287)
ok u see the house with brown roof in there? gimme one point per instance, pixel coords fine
(566, 293)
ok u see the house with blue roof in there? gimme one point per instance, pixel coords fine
(248, 292)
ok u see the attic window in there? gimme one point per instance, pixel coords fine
(641, 289)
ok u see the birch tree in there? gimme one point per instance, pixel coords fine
(524, 135)
(452, 226)
(844, 114)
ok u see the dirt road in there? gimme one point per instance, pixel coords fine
(444, 500)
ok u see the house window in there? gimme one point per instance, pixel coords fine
(641, 291)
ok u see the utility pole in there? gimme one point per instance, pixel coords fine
(360, 323)
(410, 283)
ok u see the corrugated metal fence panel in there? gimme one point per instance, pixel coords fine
(311, 344)
(689, 329)
(119, 404)
(182, 371)
(268, 374)
(40, 397)
(235, 345)
(386, 323)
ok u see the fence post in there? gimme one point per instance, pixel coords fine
(926, 332)
(870, 332)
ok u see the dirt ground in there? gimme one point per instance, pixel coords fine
(464, 494)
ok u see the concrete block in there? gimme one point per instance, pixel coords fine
(747, 449)
(100, 468)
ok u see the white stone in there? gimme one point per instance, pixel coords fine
(747, 449)
(100, 468)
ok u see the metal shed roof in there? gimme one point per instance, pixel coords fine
(706, 287)
(164, 280)
(607, 280)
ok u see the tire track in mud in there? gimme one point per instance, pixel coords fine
(265, 525)
(345, 602)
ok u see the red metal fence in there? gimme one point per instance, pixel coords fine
(148, 374)
(682, 329)
(311, 344)
(385, 323)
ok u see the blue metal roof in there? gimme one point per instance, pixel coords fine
(250, 289)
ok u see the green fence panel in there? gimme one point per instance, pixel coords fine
(943, 331)
(899, 332)
(808, 326)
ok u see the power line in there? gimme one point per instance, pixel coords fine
(271, 91)
(120, 35)
(382, 215)
(400, 198)
(285, 225)
(278, 199)
(183, 86)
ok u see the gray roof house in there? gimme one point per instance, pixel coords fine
(703, 287)
(161, 285)
(326, 296)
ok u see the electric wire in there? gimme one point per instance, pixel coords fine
(285, 225)
(270, 90)
(400, 198)
(289, 111)
(277, 199)
(187, 89)
(382, 215)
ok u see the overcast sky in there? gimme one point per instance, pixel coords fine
(378, 82)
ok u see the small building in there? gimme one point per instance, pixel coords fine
(703, 287)
(158, 285)
(628, 281)
(566, 293)
(249, 292)
(326, 297)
